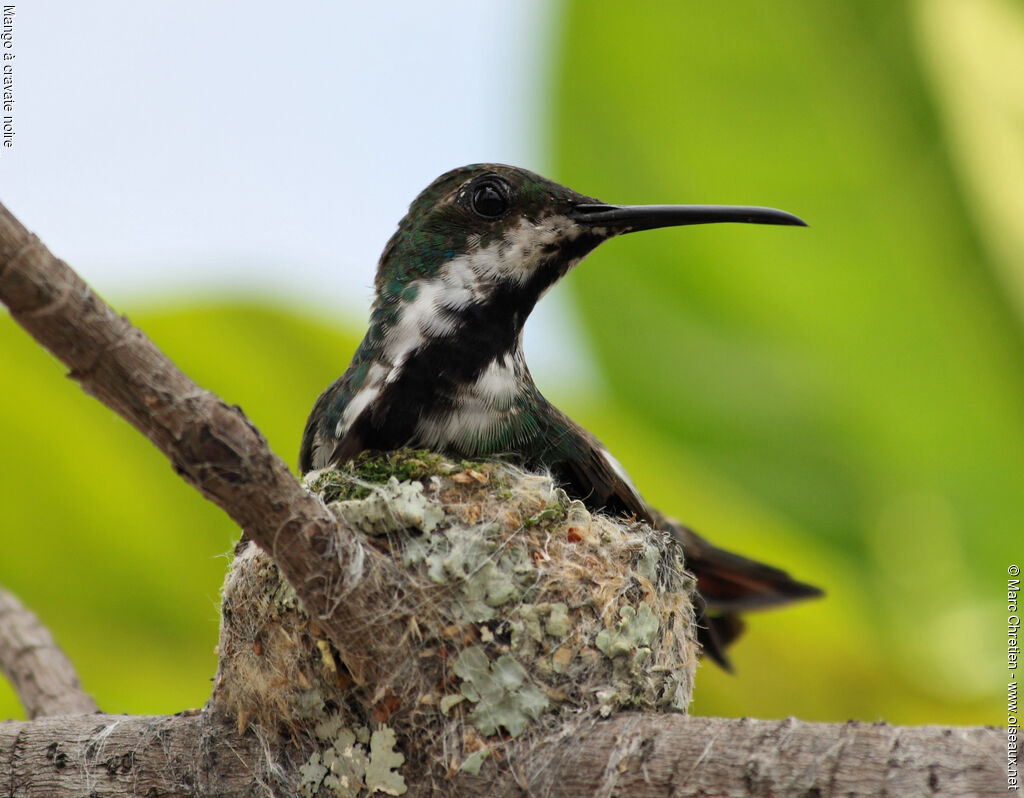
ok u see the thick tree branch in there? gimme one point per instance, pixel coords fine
(211, 445)
(124, 755)
(42, 677)
(631, 754)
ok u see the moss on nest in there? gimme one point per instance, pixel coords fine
(532, 609)
(357, 478)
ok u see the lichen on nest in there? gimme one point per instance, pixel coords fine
(532, 608)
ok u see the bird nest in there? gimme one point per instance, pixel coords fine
(531, 610)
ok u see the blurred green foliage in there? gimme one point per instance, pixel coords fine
(859, 381)
(121, 559)
(844, 401)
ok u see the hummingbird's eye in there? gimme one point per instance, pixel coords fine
(489, 200)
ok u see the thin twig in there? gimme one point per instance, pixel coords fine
(43, 678)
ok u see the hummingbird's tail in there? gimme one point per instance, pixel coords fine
(728, 584)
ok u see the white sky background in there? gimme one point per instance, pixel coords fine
(266, 149)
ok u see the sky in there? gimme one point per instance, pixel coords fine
(169, 151)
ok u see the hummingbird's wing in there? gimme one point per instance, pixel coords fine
(727, 583)
(599, 482)
(348, 446)
(313, 436)
(320, 446)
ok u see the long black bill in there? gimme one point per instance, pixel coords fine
(628, 218)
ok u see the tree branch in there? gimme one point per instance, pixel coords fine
(43, 678)
(211, 445)
(124, 755)
(630, 754)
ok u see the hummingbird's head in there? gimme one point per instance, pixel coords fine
(490, 231)
(482, 243)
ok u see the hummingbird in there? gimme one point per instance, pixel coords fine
(441, 366)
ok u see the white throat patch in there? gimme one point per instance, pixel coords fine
(481, 409)
(433, 314)
(468, 279)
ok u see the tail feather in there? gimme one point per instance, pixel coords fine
(730, 583)
(716, 632)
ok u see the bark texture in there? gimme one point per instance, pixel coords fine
(44, 679)
(630, 754)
